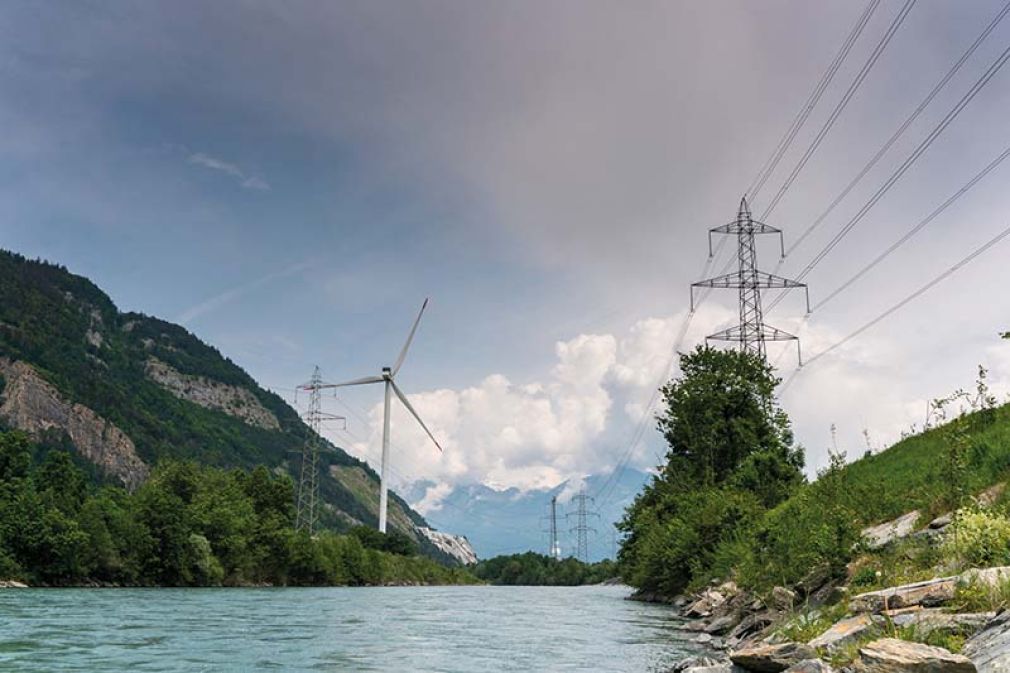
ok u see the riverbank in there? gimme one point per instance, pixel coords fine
(944, 617)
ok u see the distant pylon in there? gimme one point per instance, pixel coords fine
(581, 527)
(307, 505)
(752, 332)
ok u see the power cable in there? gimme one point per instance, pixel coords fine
(902, 128)
(900, 171)
(849, 93)
(780, 149)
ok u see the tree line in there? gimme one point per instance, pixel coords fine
(187, 525)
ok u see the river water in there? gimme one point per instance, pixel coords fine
(451, 629)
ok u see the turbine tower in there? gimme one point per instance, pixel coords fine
(388, 378)
(751, 332)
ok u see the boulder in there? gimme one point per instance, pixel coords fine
(771, 658)
(12, 584)
(989, 649)
(782, 598)
(722, 624)
(927, 621)
(890, 655)
(717, 667)
(989, 496)
(941, 521)
(810, 666)
(708, 601)
(750, 626)
(929, 593)
(844, 632)
(883, 534)
(693, 662)
(986, 576)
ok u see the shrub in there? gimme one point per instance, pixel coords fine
(977, 537)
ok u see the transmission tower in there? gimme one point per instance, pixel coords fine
(581, 528)
(307, 506)
(752, 333)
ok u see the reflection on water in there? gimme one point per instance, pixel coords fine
(337, 629)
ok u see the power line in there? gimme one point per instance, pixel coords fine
(900, 171)
(846, 97)
(917, 228)
(911, 297)
(903, 127)
(780, 149)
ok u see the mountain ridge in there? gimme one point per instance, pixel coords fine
(124, 390)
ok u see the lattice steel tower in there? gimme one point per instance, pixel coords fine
(752, 332)
(307, 505)
(581, 527)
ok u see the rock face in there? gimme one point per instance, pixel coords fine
(810, 666)
(928, 593)
(709, 600)
(881, 535)
(31, 404)
(989, 649)
(772, 658)
(455, 545)
(210, 394)
(890, 655)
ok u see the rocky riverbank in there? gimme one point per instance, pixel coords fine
(951, 623)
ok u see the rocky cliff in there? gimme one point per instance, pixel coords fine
(209, 394)
(31, 404)
(455, 546)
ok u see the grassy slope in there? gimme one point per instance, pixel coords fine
(913, 474)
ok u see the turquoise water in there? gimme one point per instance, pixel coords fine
(336, 629)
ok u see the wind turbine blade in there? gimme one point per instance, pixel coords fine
(406, 403)
(357, 382)
(410, 337)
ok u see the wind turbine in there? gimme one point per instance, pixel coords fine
(388, 375)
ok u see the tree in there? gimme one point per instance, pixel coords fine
(731, 457)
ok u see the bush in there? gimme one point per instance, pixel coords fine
(977, 537)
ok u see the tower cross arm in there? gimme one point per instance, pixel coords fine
(756, 278)
(745, 226)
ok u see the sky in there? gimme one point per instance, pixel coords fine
(291, 180)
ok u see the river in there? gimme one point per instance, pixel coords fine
(448, 629)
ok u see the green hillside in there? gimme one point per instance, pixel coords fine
(75, 338)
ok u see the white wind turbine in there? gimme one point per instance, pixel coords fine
(387, 377)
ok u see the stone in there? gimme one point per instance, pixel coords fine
(722, 624)
(989, 496)
(883, 534)
(941, 521)
(708, 601)
(810, 666)
(989, 649)
(717, 667)
(890, 655)
(12, 584)
(782, 598)
(928, 593)
(927, 621)
(844, 632)
(771, 658)
(693, 662)
(986, 576)
(703, 638)
(816, 579)
(749, 626)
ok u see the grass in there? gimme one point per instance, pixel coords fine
(809, 624)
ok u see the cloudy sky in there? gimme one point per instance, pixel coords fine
(291, 179)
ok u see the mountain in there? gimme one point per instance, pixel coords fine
(509, 521)
(122, 391)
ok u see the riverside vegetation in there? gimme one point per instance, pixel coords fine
(802, 571)
(186, 525)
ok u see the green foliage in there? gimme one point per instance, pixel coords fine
(187, 525)
(393, 542)
(532, 569)
(977, 538)
(730, 458)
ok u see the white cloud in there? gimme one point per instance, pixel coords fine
(213, 163)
